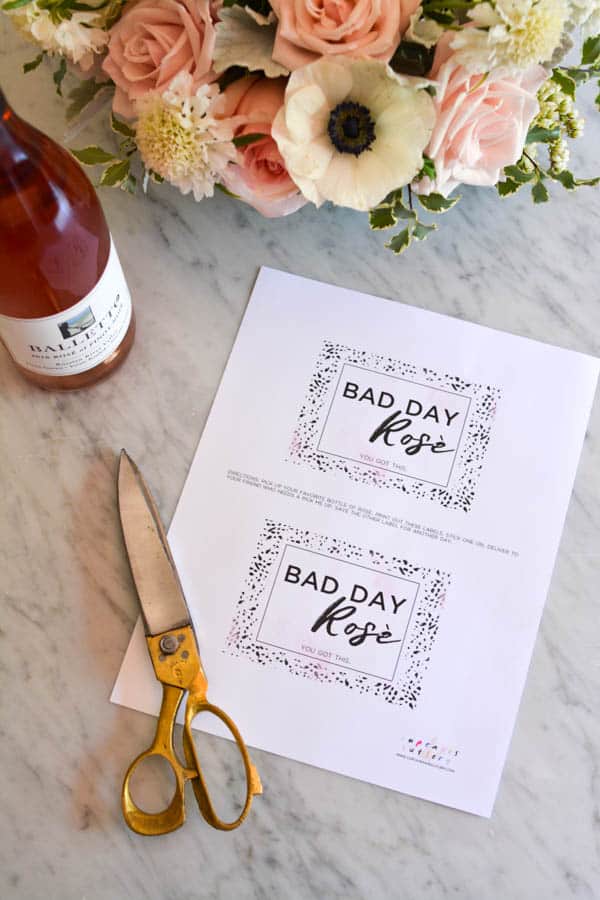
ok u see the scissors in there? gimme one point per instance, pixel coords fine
(174, 653)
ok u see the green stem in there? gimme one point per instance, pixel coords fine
(440, 5)
(532, 161)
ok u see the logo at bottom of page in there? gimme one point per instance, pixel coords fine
(332, 611)
(429, 752)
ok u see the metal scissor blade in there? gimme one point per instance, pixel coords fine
(158, 586)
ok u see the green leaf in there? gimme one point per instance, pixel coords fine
(130, 184)
(121, 127)
(403, 212)
(382, 217)
(86, 7)
(539, 192)
(568, 180)
(565, 82)
(427, 169)
(422, 231)
(259, 6)
(244, 139)
(437, 203)
(233, 73)
(158, 179)
(392, 198)
(412, 59)
(34, 63)
(399, 242)
(443, 18)
(82, 95)
(537, 135)
(15, 4)
(112, 12)
(517, 174)
(115, 174)
(226, 191)
(587, 182)
(508, 187)
(579, 76)
(591, 51)
(92, 156)
(59, 75)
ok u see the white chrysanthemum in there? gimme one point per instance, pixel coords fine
(591, 26)
(511, 35)
(179, 137)
(351, 131)
(78, 38)
(586, 13)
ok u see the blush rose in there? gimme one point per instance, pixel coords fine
(154, 41)
(309, 29)
(260, 177)
(481, 122)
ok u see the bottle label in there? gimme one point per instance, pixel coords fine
(78, 338)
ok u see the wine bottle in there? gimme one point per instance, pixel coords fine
(65, 309)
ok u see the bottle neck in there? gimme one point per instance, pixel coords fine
(19, 147)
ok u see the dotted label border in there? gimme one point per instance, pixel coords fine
(460, 491)
(406, 686)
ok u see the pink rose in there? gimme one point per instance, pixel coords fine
(260, 177)
(307, 30)
(153, 42)
(481, 123)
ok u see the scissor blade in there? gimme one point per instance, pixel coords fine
(158, 586)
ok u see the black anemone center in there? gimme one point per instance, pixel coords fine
(351, 128)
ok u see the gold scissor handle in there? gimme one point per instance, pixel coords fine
(197, 703)
(174, 816)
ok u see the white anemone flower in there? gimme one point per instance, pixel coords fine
(181, 139)
(351, 131)
(510, 36)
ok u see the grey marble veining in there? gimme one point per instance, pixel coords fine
(68, 605)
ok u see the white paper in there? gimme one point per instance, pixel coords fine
(434, 563)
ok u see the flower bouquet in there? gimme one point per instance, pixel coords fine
(385, 106)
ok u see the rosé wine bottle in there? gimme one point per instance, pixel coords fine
(65, 309)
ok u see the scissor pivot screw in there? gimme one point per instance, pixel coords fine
(168, 644)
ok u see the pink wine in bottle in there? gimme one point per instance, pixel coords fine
(65, 309)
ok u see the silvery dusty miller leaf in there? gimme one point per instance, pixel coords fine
(245, 38)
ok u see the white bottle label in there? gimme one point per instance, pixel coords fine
(78, 338)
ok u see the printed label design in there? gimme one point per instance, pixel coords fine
(78, 338)
(77, 324)
(388, 423)
(329, 610)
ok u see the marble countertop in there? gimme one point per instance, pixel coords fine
(68, 606)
